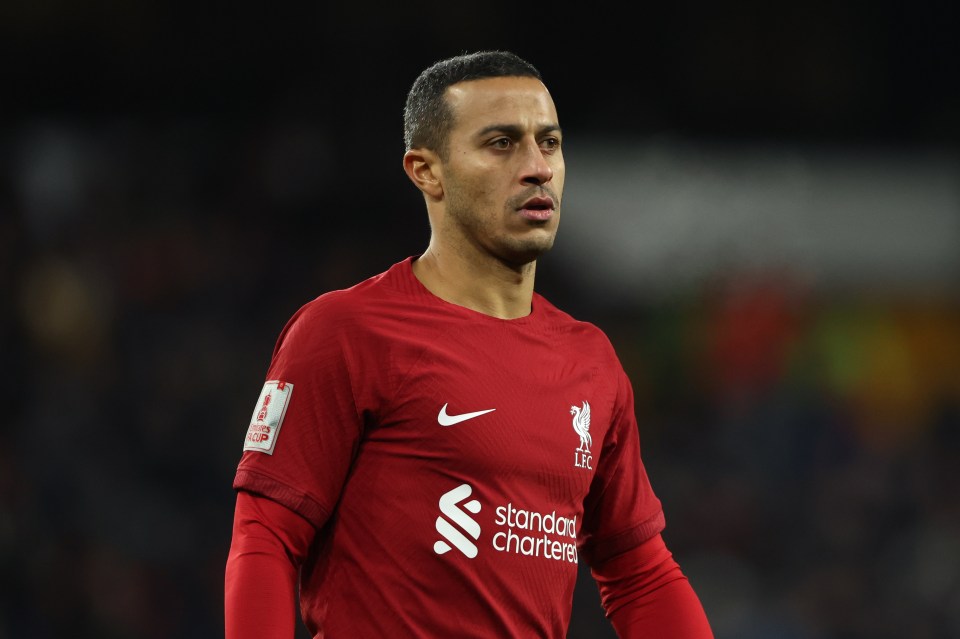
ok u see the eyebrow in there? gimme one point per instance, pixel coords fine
(516, 131)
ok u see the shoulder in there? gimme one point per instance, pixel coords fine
(582, 332)
(337, 315)
(344, 304)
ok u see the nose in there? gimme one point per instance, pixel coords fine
(536, 169)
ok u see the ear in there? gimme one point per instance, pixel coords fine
(422, 166)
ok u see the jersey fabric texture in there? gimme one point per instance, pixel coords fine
(456, 466)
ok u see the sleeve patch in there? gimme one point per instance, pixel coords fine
(268, 416)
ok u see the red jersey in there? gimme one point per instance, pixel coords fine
(456, 466)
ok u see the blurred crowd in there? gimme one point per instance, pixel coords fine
(806, 445)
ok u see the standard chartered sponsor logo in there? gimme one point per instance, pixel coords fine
(520, 531)
(536, 534)
(449, 507)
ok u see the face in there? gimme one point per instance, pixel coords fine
(503, 176)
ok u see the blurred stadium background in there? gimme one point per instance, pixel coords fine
(762, 211)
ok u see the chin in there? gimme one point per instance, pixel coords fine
(525, 252)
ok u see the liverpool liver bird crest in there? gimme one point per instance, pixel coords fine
(581, 424)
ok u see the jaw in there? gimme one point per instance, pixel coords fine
(507, 234)
(518, 250)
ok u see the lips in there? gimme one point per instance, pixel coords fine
(537, 208)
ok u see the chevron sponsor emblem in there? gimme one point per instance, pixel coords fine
(450, 507)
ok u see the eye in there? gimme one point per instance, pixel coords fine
(501, 143)
(550, 144)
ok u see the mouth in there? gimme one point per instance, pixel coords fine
(537, 209)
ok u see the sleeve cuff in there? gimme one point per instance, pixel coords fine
(295, 500)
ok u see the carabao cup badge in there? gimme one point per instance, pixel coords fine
(268, 416)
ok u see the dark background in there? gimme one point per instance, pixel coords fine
(176, 180)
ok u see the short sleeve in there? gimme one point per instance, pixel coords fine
(621, 509)
(319, 429)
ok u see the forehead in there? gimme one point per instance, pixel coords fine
(519, 101)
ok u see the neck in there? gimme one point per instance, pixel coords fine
(489, 286)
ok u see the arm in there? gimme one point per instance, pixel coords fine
(645, 594)
(269, 543)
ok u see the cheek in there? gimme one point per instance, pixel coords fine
(482, 192)
(559, 173)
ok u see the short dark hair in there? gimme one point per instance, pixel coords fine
(427, 118)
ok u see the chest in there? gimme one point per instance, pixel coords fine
(526, 414)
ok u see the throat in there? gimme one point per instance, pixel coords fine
(495, 290)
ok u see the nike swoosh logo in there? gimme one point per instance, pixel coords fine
(449, 420)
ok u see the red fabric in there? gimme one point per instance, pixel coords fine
(645, 594)
(363, 454)
(270, 541)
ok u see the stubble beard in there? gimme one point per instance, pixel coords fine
(515, 251)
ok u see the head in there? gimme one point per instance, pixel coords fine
(427, 117)
(483, 144)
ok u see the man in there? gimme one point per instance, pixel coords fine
(435, 448)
